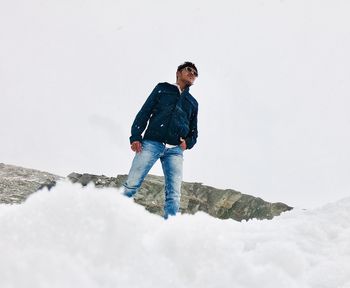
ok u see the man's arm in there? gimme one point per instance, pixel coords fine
(191, 138)
(143, 116)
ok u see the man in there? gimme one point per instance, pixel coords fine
(171, 114)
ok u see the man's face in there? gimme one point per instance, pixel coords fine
(187, 75)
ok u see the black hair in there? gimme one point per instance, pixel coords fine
(187, 64)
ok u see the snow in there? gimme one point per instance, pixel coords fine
(86, 237)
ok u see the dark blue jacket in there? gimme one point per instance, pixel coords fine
(169, 114)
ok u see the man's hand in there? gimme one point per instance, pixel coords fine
(183, 144)
(136, 146)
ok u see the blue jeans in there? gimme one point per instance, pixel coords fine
(171, 159)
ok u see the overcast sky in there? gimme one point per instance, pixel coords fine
(273, 89)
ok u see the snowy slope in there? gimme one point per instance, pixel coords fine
(86, 237)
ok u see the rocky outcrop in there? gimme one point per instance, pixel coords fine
(223, 204)
(17, 183)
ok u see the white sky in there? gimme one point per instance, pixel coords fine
(273, 89)
(87, 237)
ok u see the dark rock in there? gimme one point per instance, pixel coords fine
(223, 204)
(17, 183)
(99, 181)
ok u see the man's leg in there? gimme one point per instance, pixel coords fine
(172, 162)
(141, 165)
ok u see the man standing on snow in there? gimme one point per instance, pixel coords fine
(171, 114)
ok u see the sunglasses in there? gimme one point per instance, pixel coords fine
(191, 70)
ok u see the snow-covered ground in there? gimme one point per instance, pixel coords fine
(87, 237)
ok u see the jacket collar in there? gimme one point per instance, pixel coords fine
(187, 89)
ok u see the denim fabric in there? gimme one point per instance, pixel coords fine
(171, 159)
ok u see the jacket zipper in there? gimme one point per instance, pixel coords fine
(172, 115)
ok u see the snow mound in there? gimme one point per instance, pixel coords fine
(87, 237)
